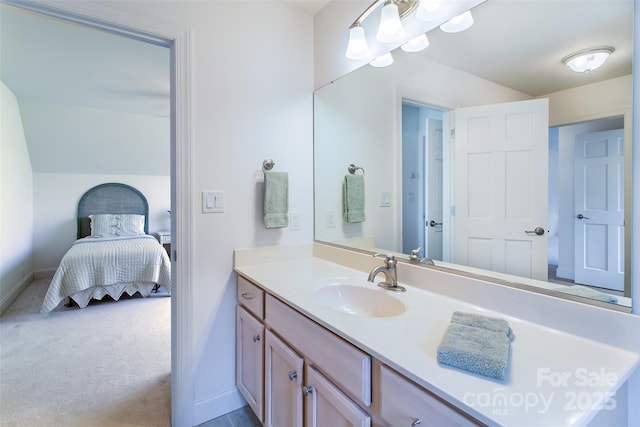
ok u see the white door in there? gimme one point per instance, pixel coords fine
(434, 187)
(599, 205)
(501, 187)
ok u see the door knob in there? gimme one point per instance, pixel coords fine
(538, 231)
(580, 216)
(433, 223)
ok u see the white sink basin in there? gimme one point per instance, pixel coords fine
(359, 301)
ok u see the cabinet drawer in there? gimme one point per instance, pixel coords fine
(344, 364)
(251, 296)
(402, 403)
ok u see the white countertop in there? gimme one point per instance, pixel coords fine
(554, 379)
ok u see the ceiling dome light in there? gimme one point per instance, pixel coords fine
(382, 60)
(390, 29)
(357, 48)
(416, 44)
(588, 59)
(458, 23)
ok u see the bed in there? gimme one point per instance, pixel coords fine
(113, 254)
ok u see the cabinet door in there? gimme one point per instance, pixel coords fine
(249, 358)
(326, 405)
(404, 404)
(283, 384)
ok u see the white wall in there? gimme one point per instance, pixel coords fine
(16, 215)
(55, 202)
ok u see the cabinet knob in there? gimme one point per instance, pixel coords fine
(293, 375)
(256, 338)
(247, 295)
(307, 390)
(416, 422)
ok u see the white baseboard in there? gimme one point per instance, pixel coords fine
(17, 290)
(215, 406)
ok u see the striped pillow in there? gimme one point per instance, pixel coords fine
(113, 225)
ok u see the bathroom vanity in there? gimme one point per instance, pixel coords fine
(318, 345)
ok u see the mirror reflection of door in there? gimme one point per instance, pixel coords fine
(422, 180)
(501, 197)
(575, 256)
(599, 203)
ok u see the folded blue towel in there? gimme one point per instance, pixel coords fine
(484, 322)
(276, 199)
(353, 198)
(477, 350)
(584, 291)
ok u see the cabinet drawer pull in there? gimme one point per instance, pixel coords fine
(256, 338)
(293, 375)
(248, 295)
(307, 390)
(416, 422)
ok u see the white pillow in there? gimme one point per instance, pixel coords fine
(112, 225)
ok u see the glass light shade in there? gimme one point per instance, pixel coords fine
(390, 29)
(357, 48)
(458, 23)
(588, 60)
(416, 44)
(426, 9)
(382, 60)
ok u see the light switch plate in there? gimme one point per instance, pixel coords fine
(385, 199)
(212, 201)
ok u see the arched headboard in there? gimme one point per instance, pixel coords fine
(110, 198)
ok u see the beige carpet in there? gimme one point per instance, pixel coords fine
(105, 365)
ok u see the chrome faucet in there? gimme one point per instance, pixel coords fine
(414, 256)
(390, 273)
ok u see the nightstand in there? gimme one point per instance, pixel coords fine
(164, 237)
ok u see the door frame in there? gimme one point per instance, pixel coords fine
(178, 40)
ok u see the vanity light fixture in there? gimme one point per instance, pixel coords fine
(416, 44)
(587, 60)
(383, 60)
(426, 9)
(458, 23)
(389, 30)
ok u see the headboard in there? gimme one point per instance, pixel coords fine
(110, 198)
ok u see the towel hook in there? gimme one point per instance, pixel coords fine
(268, 164)
(353, 168)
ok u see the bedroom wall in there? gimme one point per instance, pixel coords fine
(16, 224)
(55, 201)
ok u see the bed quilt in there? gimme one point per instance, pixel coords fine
(95, 267)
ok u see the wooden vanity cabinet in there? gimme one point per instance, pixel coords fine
(283, 372)
(403, 403)
(250, 345)
(312, 377)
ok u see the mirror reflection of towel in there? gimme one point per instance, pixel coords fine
(276, 199)
(353, 198)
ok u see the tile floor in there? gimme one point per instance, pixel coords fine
(243, 417)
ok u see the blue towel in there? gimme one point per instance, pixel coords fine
(353, 198)
(476, 350)
(583, 291)
(484, 322)
(276, 199)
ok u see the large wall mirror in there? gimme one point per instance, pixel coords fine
(415, 131)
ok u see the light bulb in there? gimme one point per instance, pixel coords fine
(458, 23)
(357, 48)
(382, 60)
(390, 29)
(416, 44)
